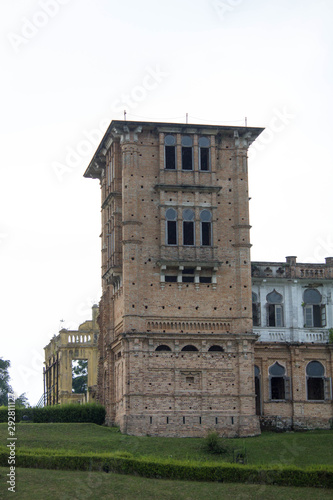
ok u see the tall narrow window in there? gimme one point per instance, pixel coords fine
(187, 153)
(255, 310)
(188, 227)
(274, 309)
(314, 310)
(170, 152)
(315, 381)
(279, 383)
(171, 226)
(204, 154)
(206, 228)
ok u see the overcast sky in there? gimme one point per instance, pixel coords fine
(71, 66)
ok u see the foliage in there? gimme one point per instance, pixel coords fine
(214, 444)
(89, 412)
(320, 476)
(6, 388)
(330, 335)
(80, 376)
(291, 448)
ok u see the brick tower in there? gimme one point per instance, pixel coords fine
(176, 343)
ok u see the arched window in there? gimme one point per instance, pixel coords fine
(206, 228)
(187, 153)
(274, 309)
(279, 384)
(255, 310)
(189, 348)
(204, 154)
(188, 227)
(315, 381)
(216, 348)
(314, 310)
(162, 347)
(169, 152)
(171, 226)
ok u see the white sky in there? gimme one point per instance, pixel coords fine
(70, 66)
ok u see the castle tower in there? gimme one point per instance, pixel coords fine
(176, 343)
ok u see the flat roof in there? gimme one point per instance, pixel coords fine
(93, 172)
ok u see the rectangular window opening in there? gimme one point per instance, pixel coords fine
(171, 232)
(171, 279)
(205, 279)
(206, 234)
(188, 279)
(187, 158)
(204, 159)
(278, 388)
(170, 157)
(188, 233)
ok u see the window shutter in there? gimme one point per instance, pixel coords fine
(323, 315)
(287, 385)
(278, 315)
(308, 317)
(328, 388)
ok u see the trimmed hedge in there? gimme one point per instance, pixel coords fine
(124, 463)
(71, 413)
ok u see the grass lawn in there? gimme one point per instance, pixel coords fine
(63, 485)
(301, 449)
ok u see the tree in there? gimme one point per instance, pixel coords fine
(6, 388)
(80, 376)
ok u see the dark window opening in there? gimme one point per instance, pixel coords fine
(216, 348)
(274, 315)
(205, 279)
(190, 380)
(204, 159)
(277, 388)
(189, 348)
(188, 270)
(205, 233)
(315, 381)
(171, 232)
(188, 279)
(170, 157)
(163, 348)
(171, 279)
(316, 389)
(187, 158)
(188, 233)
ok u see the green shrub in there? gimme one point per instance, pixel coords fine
(214, 444)
(320, 476)
(90, 412)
